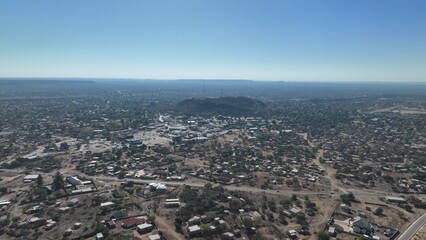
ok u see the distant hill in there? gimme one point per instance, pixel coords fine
(225, 106)
(39, 84)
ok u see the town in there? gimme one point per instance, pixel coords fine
(125, 163)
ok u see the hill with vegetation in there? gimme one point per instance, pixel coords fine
(224, 106)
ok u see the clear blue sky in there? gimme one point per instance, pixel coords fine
(317, 40)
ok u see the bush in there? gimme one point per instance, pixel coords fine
(388, 179)
(348, 198)
(323, 236)
(379, 211)
(407, 207)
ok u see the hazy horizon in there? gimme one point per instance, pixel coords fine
(208, 79)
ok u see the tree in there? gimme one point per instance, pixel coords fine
(172, 168)
(126, 235)
(151, 218)
(39, 181)
(207, 230)
(301, 218)
(271, 217)
(323, 236)
(64, 146)
(247, 222)
(347, 198)
(208, 186)
(402, 216)
(130, 184)
(407, 207)
(308, 203)
(178, 224)
(121, 174)
(282, 219)
(58, 182)
(97, 200)
(379, 211)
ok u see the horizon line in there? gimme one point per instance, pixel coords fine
(209, 79)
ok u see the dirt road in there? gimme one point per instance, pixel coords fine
(167, 230)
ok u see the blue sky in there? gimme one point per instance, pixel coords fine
(300, 40)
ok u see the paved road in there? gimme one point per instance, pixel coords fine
(285, 192)
(12, 171)
(232, 188)
(413, 228)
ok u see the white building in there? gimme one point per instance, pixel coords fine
(145, 228)
(31, 177)
(74, 180)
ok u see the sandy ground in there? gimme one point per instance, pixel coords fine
(96, 146)
(167, 230)
(344, 224)
(37, 153)
(325, 209)
(195, 163)
(151, 138)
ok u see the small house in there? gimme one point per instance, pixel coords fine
(332, 231)
(362, 226)
(99, 236)
(31, 177)
(154, 237)
(194, 230)
(228, 236)
(145, 228)
(73, 202)
(194, 220)
(119, 214)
